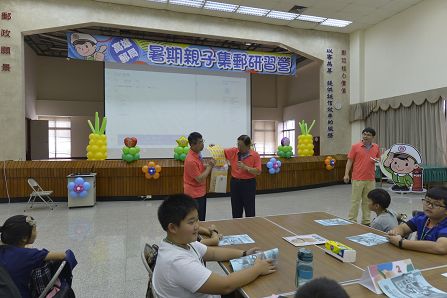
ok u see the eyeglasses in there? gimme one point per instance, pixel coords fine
(432, 204)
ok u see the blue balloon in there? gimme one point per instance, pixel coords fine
(151, 171)
(278, 163)
(86, 185)
(277, 170)
(73, 194)
(272, 160)
(70, 185)
(332, 162)
(272, 171)
(79, 180)
(269, 165)
(83, 194)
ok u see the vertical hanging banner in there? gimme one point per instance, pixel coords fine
(84, 46)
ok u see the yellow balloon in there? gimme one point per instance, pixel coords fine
(91, 136)
(311, 152)
(88, 148)
(306, 152)
(94, 148)
(99, 142)
(103, 149)
(103, 137)
(98, 155)
(89, 155)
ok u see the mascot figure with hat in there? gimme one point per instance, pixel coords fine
(85, 45)
(400, 162)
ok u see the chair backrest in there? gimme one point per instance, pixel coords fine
(34, 185)
(149, 257)
(53, 280)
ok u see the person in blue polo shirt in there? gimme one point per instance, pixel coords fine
(431, 226)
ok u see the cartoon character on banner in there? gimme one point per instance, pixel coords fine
(329, 161)
(285, 150)
(401, 163)
(151, 170)
(274, 166)
(305, 140)
(85, 45)
(79, 188)
(97, 145)
(182, 149)
(131, 152)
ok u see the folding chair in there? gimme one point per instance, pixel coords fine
(38, 192)
(149, 257)
(52, 282)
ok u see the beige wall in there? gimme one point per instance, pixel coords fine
(30, 83)
(30, 17)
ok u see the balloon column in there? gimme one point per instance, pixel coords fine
(329, 162)
(274, 166)
(97, 145)
(131, 152)
(285, 150)
(305, 140)
(151, 170)
(79, 188)
(182, 149)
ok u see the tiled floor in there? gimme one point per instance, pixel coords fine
(107, 238)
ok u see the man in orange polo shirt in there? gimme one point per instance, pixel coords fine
(245, 166)
(362, 159)
(195, 173)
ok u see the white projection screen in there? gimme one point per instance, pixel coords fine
(157, 105)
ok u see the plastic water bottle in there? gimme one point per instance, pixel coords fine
(304, 267)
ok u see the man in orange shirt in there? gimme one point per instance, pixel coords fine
(245, 166)
(362, 159)
(195, 173)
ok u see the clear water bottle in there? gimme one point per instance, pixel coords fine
(304, 267)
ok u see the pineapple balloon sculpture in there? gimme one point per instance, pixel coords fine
(182, 149)
(97, 145)
(305, 140)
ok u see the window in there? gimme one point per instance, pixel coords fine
(59, 137)
(287, 129)
(264, 136)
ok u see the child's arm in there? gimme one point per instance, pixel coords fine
(402, 230)
(55, 256)
(219, 254)
(212, 241)
(439, 247)
(217, 284)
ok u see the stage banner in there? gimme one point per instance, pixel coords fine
(84, 46)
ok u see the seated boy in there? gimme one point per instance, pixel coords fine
(431, 226)
(179, 270)
(378, 201)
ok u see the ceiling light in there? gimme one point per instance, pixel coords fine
(159, 1)
(281, 15)
(308, 18)
(190, 3)
(336, 23)
(254, 11)
(211, 5)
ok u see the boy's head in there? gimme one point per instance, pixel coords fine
(403, 163)
(178, 216)
(435, 202)
(195, 141)
(322, 288)
(378, 200)
(85, 44)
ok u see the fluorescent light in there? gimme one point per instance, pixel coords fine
(191, 3)
(308, 18)
(211, 5)
(282, 15)
(159, 1)
(336, 23)
(252, 11)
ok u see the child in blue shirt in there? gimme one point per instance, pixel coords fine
(431, 226)
(17, 232)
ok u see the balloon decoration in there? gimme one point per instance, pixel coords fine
(97, 145)
(182, 149)
(151, 170)
(305, 140)
(79, 188)
(274, 166)
(218, 153)
(285, 150)
(131, 152)
(329, 162)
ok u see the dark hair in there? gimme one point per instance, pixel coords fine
(16, 229)
(194, 137)
(83, 41)
(322, 288)
(438, 193)
(380, 196)
(370, 130)
(245, 139)
(175, 209)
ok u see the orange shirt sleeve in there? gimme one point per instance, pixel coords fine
(352, 152)
(229, 153)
